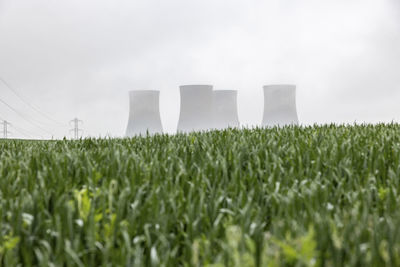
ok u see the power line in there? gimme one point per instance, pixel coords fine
(29, 104)
(23, 116)
(23, 132)
(76, 129)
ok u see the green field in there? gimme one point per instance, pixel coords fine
(315, 196)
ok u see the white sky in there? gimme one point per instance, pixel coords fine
(80, 58)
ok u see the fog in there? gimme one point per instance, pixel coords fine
(80, 58)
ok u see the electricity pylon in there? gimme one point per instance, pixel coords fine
(76, 128)
(6, 132)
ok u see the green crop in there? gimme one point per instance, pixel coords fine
(296, 196)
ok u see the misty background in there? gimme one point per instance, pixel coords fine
(80, 58)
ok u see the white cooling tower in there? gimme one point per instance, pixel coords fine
(144, 113)
(280, 105)
(196, 108)
(225, 109)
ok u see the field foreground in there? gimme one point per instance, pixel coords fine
(316, 196)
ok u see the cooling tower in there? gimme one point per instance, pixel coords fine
(196, 108)
(144, 113)
(280, 105)
(225, 109)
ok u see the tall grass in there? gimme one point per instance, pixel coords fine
(314, 196)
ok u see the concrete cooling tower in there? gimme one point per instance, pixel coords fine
(144, 113)
(225, 109)
(280, 105)
(196, 108)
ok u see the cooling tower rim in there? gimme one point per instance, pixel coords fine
(190, 86)
(144, 91)
(279, 85)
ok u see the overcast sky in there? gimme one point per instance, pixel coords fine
(80, 58)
